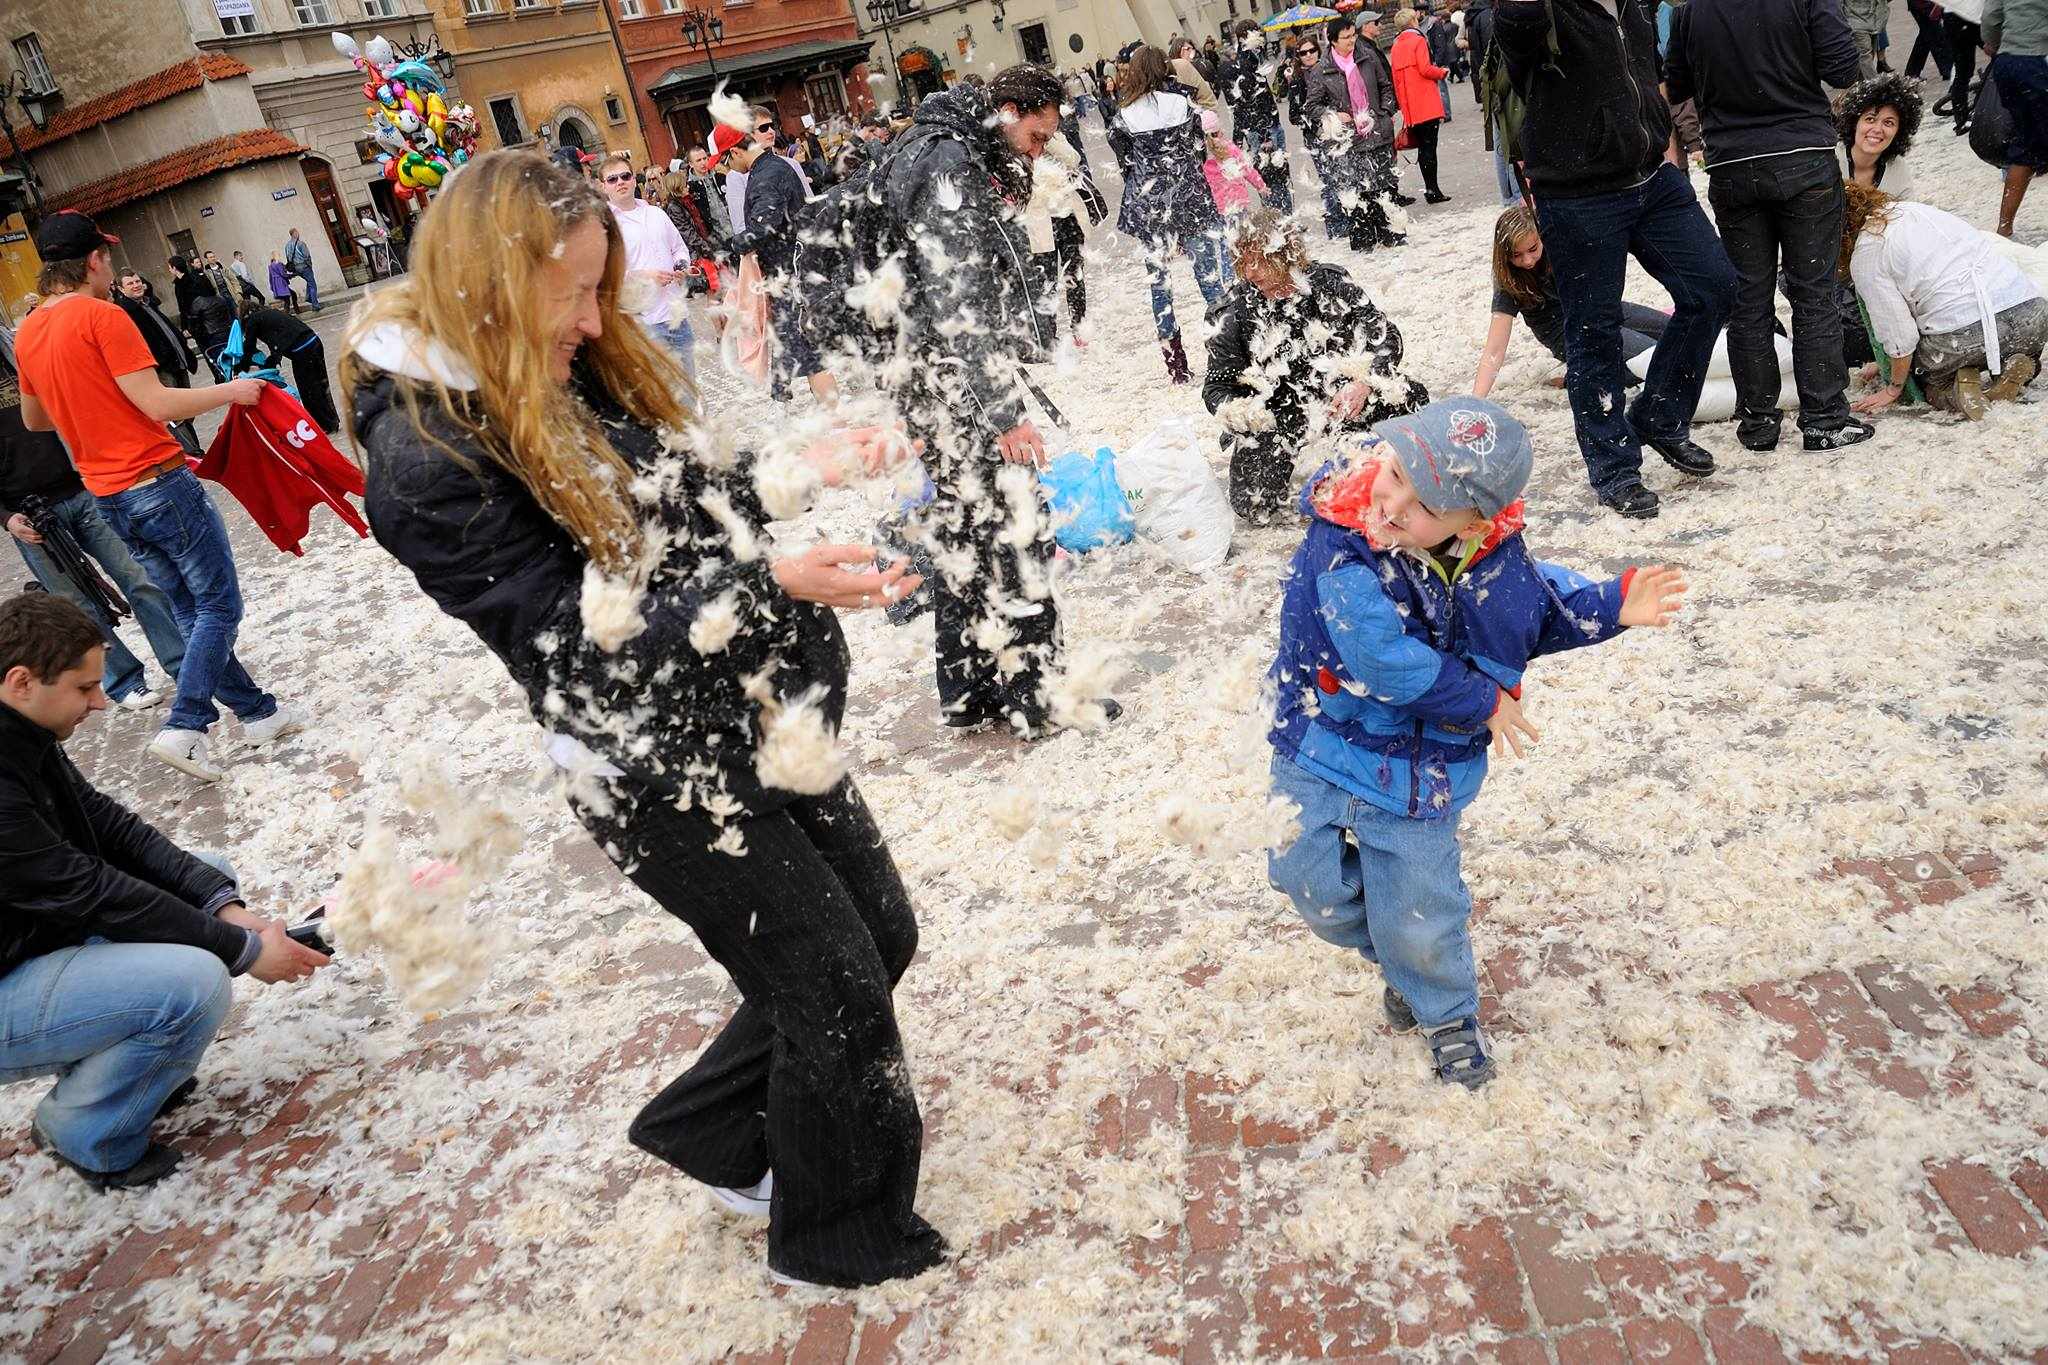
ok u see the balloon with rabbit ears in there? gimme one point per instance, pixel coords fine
(379, 51)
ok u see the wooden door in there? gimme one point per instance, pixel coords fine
(333, 216)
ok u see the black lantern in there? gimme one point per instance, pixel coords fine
(432, 53)
(38, 103)
(704, 30)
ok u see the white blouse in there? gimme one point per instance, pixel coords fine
(1929, 271)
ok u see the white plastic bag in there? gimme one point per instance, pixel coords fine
(1178, 502)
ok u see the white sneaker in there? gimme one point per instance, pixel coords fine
(141, 699)
(185, 750)
(751, 1202)
(285, 720)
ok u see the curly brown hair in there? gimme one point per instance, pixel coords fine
(1889, 90)
(1866, 207)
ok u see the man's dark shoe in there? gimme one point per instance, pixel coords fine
(1851, 432)
(1635, 502)
(1682, 455)
(1437, 196)
(1404, 200)
(157, 1162)
(1758, 434)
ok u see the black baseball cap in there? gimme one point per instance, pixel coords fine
(69, 235)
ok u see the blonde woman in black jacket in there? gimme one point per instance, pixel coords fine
(547, 484)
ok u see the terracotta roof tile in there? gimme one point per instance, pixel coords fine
(172, 80)
(154, 177)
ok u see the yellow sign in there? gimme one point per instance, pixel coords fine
(19, 266)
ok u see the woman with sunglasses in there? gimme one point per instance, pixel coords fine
(656, 261)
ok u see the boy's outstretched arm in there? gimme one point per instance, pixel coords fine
(1582, 612)
(1652, 596)
(1392, 664)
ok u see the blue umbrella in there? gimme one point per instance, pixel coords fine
(1299, 16)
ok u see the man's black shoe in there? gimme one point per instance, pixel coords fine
(1760, 436)
(1635, 502)
(1437, 197)
(1682, 455)
(1851, 432)
(1404, 200)
(157, 1162)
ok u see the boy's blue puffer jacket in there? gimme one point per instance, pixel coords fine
(1388, 671)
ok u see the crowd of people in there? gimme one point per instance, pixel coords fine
(543, 481)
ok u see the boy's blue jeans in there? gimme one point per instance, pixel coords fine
(182, 544)
(1393, 891)
(121, 1025)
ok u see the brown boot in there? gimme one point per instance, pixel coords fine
(1176, 359)
(2019, 372)
(1968, 397)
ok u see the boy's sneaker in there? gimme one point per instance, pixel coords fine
(285, 720)
(185, 750)
(1399, 1017)
(1850, 433)
(751, 1202)
(1459, 1052)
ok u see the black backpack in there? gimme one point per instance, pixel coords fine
(848, 245)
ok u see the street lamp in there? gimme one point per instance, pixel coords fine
(884, 13)
(704, 30)
(430, 51)
(998, 17)
(38, 104)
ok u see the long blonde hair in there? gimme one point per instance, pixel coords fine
(1864, 206)
(477, 271)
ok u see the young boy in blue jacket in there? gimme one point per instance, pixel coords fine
(1411, 611)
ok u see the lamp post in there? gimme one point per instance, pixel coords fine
(36, 103)
(704, 31)
(886, 13)
(431, 52)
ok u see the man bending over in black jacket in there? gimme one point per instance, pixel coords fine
(1597, 146)
(115, 945)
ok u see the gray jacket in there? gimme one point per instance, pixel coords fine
(2016, 28)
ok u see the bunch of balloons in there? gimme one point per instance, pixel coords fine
(424, 137)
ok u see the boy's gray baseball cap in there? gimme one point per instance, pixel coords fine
(1461, 452)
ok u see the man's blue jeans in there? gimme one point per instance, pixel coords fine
(1267, 147)
(1392, 890)
(1589, 241)
(681, 340)
(122, 1025)
(123, 673)
(312, 288)
(182, 544)
(1211, 260)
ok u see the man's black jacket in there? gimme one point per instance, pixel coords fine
(32, 464)
(166, 342)
(1755, 68)
(1596, 120)
(75, 864)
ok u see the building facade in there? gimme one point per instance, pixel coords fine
(920, 47)
(799, 57)
(543, 72)
(196, 125)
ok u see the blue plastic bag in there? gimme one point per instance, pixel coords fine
(1089, 509)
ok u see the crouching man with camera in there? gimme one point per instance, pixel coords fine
(115, 945)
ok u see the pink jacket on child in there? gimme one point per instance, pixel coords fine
(1232, 180)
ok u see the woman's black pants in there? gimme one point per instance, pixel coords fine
(808, 1079)
(1423, 135)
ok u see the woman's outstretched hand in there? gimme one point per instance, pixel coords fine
(875, 450)
(821, 574)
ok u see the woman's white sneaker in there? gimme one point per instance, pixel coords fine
(185, 750)
(285, 720)
(751, 1202)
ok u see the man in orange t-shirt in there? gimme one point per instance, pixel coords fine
(87, 374)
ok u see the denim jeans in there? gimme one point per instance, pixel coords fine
(1329, 172)
(312, 289)
(682, 341)
(1789, 206)
(1392, 890)
(1589, 241)
(182, 544)
(1510, 188)
(122, 1025)
(122, 675)
(1211, 260)
(1267, 147)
